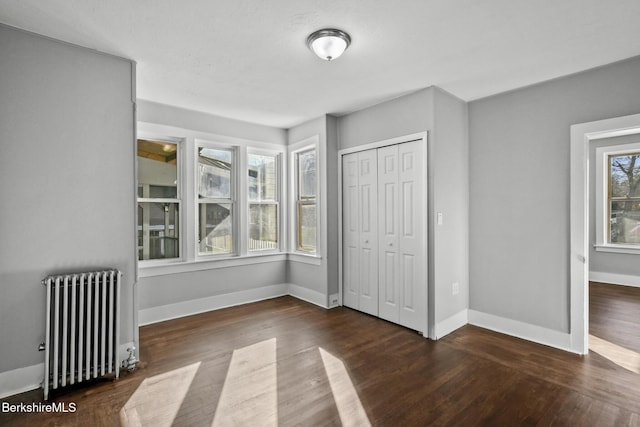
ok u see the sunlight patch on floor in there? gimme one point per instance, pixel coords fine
(621, 356)
(250, 393)
(157, 400)
(344, 393)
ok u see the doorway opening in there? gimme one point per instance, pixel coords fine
(584, 137)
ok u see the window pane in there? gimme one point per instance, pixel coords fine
(157, 169)
(625, 175)
(625, 222)
(215, 231)
(158, 230)
(263, 179)
(263, 227)
(214, 173)
(307, 174)
(307, 227)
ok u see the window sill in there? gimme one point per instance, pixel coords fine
(305, 258)
(208, 264)
(621, 249)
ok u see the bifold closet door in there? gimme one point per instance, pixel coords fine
(383, 233)
(402, 283)
(360, 228)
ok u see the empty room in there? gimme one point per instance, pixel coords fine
(242, 213)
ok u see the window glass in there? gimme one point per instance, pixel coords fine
(214, 172)
(307, 227)
(263, 179)
(215, 229)
(263, 226)
(624, 198)
(306, 209)
(307, 174)
(158, 230)
(158, 221)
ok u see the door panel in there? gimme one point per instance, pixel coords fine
(413, 281)
(359, 213)
(388, 208)
(368, 196)
(351, 249)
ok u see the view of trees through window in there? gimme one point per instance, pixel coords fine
(624, 198)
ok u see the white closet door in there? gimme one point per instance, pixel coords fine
(368, 221)
(350, 232)
(411, 220)
(388, 204)
(359, 207)
(384, 255)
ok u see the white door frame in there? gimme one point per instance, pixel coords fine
(581, 135)
(420, 136)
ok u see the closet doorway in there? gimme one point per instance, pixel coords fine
(384, 219)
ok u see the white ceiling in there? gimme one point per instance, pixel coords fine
(247, 59)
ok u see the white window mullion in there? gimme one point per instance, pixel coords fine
(241, 202)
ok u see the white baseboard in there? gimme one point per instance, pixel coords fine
(452, 323)
(614, 279)
(308, 295)
(334, 300)
(522, 330)
(30, 378)
(187, 308)
(21, 380)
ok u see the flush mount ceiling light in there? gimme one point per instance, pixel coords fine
(328, 43)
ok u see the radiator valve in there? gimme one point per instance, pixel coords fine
(131, 362)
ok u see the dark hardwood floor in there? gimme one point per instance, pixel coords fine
(614, 314)
(286, 362)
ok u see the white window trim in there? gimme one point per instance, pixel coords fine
(280, 195)
(180, 174)
(298, 147)
(235, 200)
(187, 171)
(602, 183)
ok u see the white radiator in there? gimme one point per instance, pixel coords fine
(82, 327)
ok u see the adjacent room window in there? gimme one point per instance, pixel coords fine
(618, 198)
(264, 207)
(216, 200)
(623, 198)
(158, 200)
(306, 199)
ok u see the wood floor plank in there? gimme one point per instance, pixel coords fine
(471, 377)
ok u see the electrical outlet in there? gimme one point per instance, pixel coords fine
(455, 288)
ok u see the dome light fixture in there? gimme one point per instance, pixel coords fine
(328, 43)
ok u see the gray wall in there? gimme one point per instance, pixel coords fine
(519, 189)
(313, 277)
(173, 288)
(607, 262)
(445, 117)
(156, 291)
(449, 166)
(66, 174)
